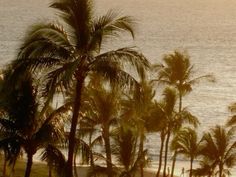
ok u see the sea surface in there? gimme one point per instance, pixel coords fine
(205, 28)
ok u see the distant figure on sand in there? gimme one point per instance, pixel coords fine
(182, 173)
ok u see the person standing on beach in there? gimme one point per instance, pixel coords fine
(182, 173)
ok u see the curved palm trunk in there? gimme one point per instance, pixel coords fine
(74, 121)
(74, 161)
(220, 169)
(161, 153)
(175, 153)
(106, 137)
(4, 165)
(166, 152)
(50, 171)
(191, 167)
(141, 154)
(173, 164)
(180, 100)
(29, 164)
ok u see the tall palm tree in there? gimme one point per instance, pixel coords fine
(177, 71)
(186, 143)
(219, 147)
(157, 122)
(22, 127)
(169, 120)
(168, 107)
(73, 51)
(104, 113)
(137, 107)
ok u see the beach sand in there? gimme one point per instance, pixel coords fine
(40, 169)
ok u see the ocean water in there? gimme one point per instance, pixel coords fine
(205, 28)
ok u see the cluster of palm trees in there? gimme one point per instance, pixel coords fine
(108, 108)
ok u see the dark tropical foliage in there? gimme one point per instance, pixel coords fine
(21, 126)
(73, 51)
(219, 148)
(186, 143)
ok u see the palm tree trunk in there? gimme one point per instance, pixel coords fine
(141, 153)
(29, 164)
(220, 169)
(166, 153)
(49, 170)
(13, 168)
(180, 101)
(191, 167)
(4, 165)
(74, 121)
(106, 138)
(173, 164)
(160, 155)
(74, 161)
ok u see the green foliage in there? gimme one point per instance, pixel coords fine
(219, 148)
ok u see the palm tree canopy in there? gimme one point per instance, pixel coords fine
(186, 143)
(125, 145)
(22, 127)
(219, 146)
(75, 48)
(177, 70)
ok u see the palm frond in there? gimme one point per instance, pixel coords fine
(43, 40)
(109, 25)
(208, 77)
(78, 15)
(114, 74)
(124, 56)
(54, 158)
(188, 117)
(231, 121)
(60, 78)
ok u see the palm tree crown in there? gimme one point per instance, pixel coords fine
(219, 148)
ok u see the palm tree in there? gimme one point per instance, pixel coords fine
(55, 160)
(137, 107)
(104, 106)
(162, 118)
(88, 137)
(168, 108)
(167, 120)
(73, 51)
(219, 147)
(157, 122)
(206, 168)
(22, 127)
(125, 149)
(178, 72)
(185, 142)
